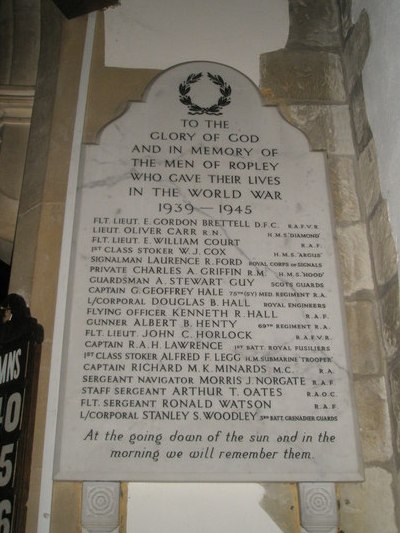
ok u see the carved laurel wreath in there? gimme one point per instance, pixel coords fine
(194, 109)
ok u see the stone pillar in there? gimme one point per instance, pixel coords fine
(19, 45)
(15, 115)
(316, 81)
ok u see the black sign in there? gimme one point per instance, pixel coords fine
(20, 338)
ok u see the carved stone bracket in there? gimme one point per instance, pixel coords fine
(100, 507)
(16, 104)
(318, 507)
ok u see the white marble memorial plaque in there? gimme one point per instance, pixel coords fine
(204, 336)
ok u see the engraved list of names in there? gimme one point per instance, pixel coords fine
(204, 336)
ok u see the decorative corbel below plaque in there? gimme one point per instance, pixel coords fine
(100, 507)
(318, 507)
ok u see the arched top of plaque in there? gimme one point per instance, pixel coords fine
(207, 95)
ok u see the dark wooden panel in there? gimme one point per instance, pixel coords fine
(76, 8)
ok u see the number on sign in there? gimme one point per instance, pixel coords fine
(5, 516)
(6, 465)
(11, 417)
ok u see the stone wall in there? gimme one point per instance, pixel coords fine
(316, 81)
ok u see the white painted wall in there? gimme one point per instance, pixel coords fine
(381, 79)
(159, 34)
(197, 508)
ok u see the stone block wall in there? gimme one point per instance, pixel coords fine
(317, 83)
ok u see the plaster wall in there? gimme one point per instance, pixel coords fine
(198, 508)
(158, 35)
(381, 80)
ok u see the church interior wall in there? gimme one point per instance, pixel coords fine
(316, 80)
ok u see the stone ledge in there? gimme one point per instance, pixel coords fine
(302, 76)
